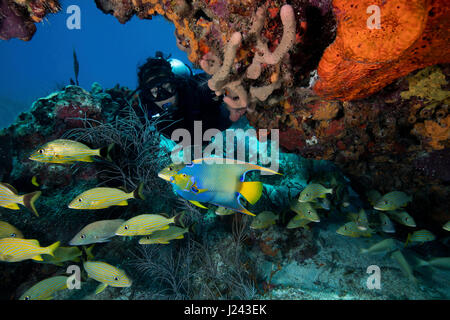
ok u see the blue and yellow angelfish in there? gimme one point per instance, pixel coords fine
(220, 182)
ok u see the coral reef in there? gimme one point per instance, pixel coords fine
(262, 60)
(17, 17)
(255, 51)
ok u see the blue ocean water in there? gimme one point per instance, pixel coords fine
(108, 52)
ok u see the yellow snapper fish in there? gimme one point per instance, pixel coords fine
(322, 203)
(222, 182)
(164, 236)
(96, 232)
(145, 224)
(107, 274)
(386, 223)
(446, 226)
(342, 195)
(264, 220)
(373, 196)
(441, 263)
(402, 217)
(10, 198)
(305, 210)
(385, 245)
(102, 198)
(313, 191)
(45, 289)
(392, 201)
(222, 211)
(170, 171)
(404, 265)
(350, 229)
(298, 222)
(63, 254)
(68, 151)
(14, 249)
(420, 236)
(360, 219)
(9, 231)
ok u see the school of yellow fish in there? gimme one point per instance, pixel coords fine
(161, 229)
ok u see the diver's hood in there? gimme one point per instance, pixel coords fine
(179, 68)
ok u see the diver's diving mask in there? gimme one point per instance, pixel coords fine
(160, 89)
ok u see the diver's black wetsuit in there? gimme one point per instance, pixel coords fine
(196, 102)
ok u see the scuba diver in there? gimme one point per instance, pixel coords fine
(169, 91)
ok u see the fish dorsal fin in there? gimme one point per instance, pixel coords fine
(10, 187)
(165, 215)
(35, 242)
(249, 166)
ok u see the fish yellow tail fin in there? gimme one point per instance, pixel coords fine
(138, 193)
(178, 219)
(192, 227)
(29, 200)
(408, 239)
(251, 191)
(52, 248)
(88, 251)
(105, 152)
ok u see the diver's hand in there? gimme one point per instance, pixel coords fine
(236, 114)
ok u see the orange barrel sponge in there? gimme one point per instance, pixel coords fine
(412, 34)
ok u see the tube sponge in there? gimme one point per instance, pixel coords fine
(263, 53)
(217, 82)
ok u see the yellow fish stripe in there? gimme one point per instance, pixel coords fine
(144, 224)
(106, 273)
(14, 249)
(99, 198)
(65, 151)
(44, 289)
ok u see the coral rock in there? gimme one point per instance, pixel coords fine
(17, 18)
